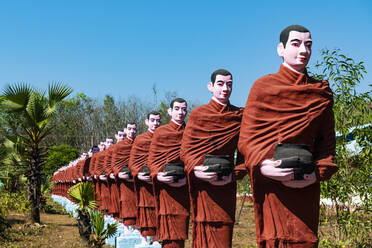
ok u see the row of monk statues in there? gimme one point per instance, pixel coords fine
(284, 139)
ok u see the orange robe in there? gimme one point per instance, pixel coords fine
(287, 107)
(172, 203)
(77, 171)
(120, 158)
(85, 169)
(212, 129)
(146, 218)
(101, 187)
(92, 166)
(113, 191)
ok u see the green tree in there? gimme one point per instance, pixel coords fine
(36, 110)
(11, 166)
(59, 156)
(353, 180)
(163, 110)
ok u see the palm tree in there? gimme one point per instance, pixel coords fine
(36, 112)
(100, 233)
(83, 195)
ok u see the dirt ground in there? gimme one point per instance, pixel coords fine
(56, 230)
(60, 230)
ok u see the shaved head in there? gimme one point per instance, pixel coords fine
(285, 32)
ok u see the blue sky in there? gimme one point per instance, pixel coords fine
(123, 48)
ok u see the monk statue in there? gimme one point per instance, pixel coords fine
(113, 200)
(120, 160)
(169, 178)
(90, 170)
(99, 175)
(146, 218)
(213, 130)
(288, 140)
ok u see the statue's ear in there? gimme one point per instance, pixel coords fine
(169, 111)
(280, 49)
(147, 122)
(210, 87)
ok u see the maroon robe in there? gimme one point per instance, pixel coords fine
(172, 203)
(212, 129)
(146, 218)
(120, 158)
(287, 107)
(100, 185)
(113, 197)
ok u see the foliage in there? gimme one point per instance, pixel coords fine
(82, 122)
(83, 195)
(34, 111)
(353, 181)
(100, 233)
(11, 202)
(11, 166)
(59, 156)
(163, 111)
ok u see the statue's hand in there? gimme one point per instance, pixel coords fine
(200, 173)
(269, 168)
(141, 176)
(299, 184)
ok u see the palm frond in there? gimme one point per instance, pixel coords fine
(56, 93)
(17, 96)
(83, 195)
(36, 109)
(97, 219)
(111, 230)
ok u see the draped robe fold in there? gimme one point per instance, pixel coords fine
(287, 107)
(146, 218)
(120, 158)
(212, 129)
(172, 203)
(113, 196)
(101, 187)
(86, 166)
(91, 170)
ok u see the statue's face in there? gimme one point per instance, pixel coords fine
(131, 131)
(178, 112)
(120, 136)
(102, 146)
(153, 122)
(297, 51)
(84, 155)
(109, 142)
(222, 88)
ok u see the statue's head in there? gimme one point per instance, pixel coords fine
(178, 110)
(221, 85)
(153, 121)
(109, 142)
(131, 130)
(295, 47)
(102, 146)
(120, 135)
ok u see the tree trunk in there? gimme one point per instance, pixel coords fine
(84, 227)
(34, 184)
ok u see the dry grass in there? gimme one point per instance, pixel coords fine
(56, 230)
